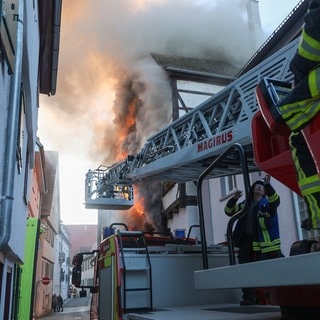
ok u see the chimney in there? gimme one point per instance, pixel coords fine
(254, 20)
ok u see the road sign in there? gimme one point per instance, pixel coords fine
(45, 280)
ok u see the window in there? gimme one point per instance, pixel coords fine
(49, 234)
(47, 269)
(227, 184)
(62, 275)
(8, 285)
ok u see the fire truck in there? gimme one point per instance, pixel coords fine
(148, 275)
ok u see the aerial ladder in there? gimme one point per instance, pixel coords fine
(182, 150)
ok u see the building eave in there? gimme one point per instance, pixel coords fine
(49, 29)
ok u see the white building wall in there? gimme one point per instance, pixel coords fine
(186, 217)
(56, 289)
(29, 76)
(25, 29)
(65, 261)
(4, 87)
(217, 229)
(194, 100)
(87, 270)
(61, 265)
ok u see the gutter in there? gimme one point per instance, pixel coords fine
(199, 74)
(6, 200)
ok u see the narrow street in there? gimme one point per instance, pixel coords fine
(73, 309)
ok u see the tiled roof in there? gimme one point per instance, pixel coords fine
(204, 66)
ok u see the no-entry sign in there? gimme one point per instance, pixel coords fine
(45, 280)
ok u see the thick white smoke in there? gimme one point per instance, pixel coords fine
(106, 75)
(107, 44)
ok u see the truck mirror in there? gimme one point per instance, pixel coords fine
(77, 259)
(94, 290)
(76, 276)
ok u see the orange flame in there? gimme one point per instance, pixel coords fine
(136, 217)
(128, 126)
(139, 206)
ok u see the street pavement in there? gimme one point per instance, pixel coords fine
(73, 309)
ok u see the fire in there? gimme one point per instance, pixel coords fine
(131, 115)
(121, 156)
(127, 129)
(139, 206)
(136, 218)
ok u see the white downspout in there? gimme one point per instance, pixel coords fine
(12, 135)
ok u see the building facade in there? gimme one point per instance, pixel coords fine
(28, 64)
(61, 274)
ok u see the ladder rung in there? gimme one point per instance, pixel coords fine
(130, 233)
(138, 289)
(137, 269)
(133, 249)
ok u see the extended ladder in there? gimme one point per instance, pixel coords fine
(182, 150)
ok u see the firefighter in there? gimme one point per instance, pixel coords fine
(300, 107)
(256, 233)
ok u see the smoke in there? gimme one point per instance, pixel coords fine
(151, 193)
(111, 95)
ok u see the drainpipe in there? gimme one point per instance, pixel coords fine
(11, 138)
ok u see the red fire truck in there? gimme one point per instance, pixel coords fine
(139, 275)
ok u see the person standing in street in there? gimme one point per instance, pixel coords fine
(54, 302)
(60, 303)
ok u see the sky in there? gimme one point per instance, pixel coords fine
(109, 88)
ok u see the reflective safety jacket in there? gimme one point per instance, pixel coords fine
(267, 238)
(303, 103)
(265, 227)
